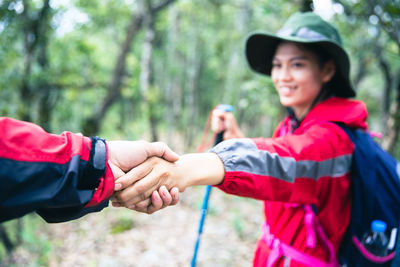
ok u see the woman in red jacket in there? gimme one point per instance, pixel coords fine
(302, 172)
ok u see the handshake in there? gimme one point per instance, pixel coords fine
(43, 173)
(149, 176)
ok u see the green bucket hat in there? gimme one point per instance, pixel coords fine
(305, 28)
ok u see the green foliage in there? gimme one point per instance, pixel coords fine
(34, 241)
(197, 63)
(122, 225)
(81, 62)
(238, 222)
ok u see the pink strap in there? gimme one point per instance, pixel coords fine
(284, 130)
(275, 253)
(302, 258)
(375, 134)
(309, 223)
(371, 257)
(327, 243)
(279, 249)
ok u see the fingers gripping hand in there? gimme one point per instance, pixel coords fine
(218, 121)
(159, 200)
(223, 121)
(161, 150)
(144, 180)
(126, 155)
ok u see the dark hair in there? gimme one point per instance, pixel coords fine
(323, 56)
(331, 88)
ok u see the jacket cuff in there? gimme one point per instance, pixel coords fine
(232, 152)
(99, 172)
(95, 166)
(105, 189)
(106, 186)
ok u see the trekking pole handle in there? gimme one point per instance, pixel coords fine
(220, 136)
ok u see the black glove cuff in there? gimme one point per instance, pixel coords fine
(96, 166)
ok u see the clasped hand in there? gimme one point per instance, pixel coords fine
(159, 174)
(149, 176)
(125, 155)
(141, 183)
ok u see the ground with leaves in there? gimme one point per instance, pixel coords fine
(117, 237)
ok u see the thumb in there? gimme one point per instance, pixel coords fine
(161, 150)
(117, 172)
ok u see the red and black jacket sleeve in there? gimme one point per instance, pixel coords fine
(61, 177)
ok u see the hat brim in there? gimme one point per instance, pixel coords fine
(261, 46)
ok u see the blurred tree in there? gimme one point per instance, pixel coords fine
(5, 239)
(306, 5)
(32, 23)
(127, 69)
(92, 125)
(382, 19)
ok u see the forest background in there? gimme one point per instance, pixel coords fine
(153, 70)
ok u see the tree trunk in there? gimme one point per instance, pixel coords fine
(306, 5)
(233, 91)
(172, 88)
(393, 124)
(46, 94)
(194, 62)
(361, 72)
(146, 78)
(9, 246)
(386, 87)
(35, 42)
(29, 43)
(92, 125)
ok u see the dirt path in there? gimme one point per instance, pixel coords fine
(118, 237)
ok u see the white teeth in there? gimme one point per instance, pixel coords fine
(285, 89)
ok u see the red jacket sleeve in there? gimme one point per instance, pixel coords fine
(291, 168)
(61, 177)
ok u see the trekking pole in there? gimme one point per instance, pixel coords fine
(218, 139)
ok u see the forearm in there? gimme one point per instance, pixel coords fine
(287, 169)
(200, 169)
(190, 170)
(43, 170)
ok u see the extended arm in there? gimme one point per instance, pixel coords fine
(290, 169)
(62, 177)
(189, 170)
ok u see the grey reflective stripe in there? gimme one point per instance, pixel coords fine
(243, 155)
(310, 34)
(285, 32)
(303, 32)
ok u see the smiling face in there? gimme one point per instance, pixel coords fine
(298, 76)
